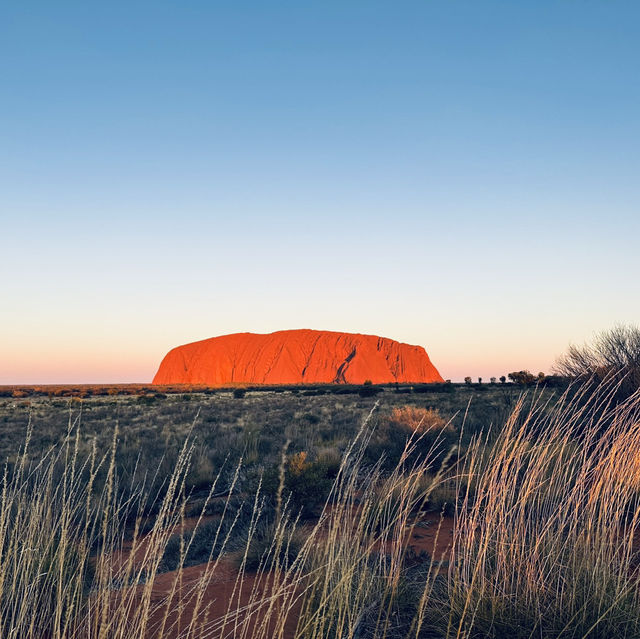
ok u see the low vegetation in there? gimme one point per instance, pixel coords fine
(309, 507)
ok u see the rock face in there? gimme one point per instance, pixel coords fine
(296, 357)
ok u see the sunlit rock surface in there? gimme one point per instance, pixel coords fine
(296, 357)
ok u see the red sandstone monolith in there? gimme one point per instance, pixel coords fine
(296, 357)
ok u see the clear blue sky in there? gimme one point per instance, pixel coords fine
(460, 175)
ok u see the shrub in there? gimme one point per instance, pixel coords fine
(443, 498)
(417, 418)
(556, 381)
(612, 356)
(272, 544)
(208, 541)
(431, 437)
(368, 390)
(309, 483)
(306, 483)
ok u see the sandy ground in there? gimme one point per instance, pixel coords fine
(222, 594)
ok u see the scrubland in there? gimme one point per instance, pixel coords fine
(464, 512)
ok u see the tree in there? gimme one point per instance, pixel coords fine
(522, 377)
(467, 380)
(503, 379)
(479, 380)
(492, 380)
(613, 356)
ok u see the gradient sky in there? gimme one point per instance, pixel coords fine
(460, 175)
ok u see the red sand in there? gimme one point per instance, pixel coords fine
(296, 357)
(224, 595)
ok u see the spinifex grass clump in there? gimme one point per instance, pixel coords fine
(544, 539)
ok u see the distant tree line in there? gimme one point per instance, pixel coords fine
(612, 357)
(522, 378)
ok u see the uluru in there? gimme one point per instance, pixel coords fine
(302, 356)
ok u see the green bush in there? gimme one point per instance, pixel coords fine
(207, 542)
(269, 544)
(306, 484)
